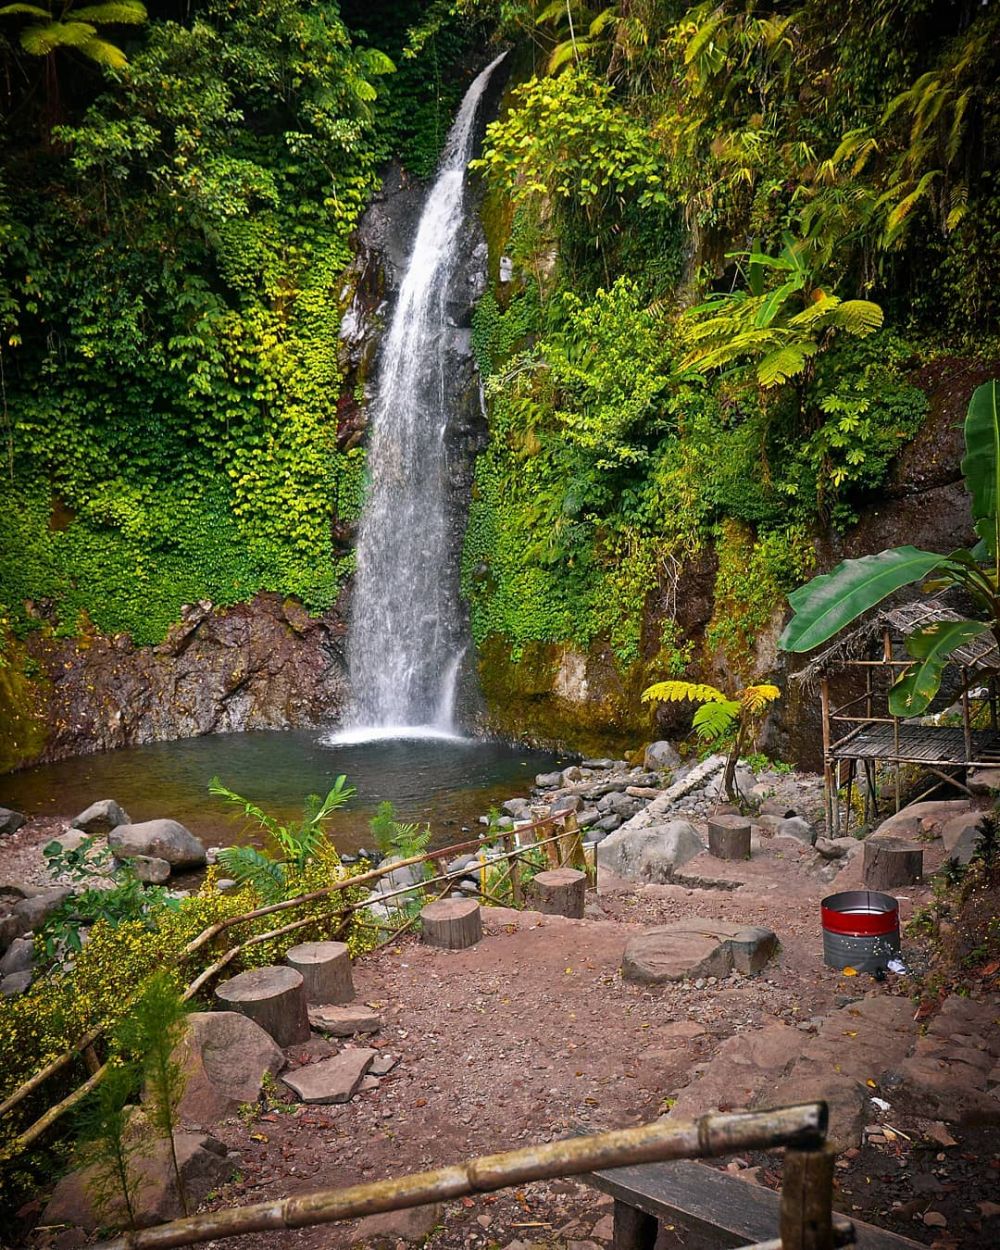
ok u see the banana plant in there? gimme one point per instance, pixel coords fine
(832, 601)
(719, 716)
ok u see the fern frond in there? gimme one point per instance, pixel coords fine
(249, 866)
(785, 363)
(860, 316)
(678, 691)
(713, 721)
(121, 13)
(755, 698)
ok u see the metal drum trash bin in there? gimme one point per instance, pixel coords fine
(860, 929)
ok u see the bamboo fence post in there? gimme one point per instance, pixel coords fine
(802, 1126)
(807, 1200)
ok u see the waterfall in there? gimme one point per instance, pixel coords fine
(405, 639)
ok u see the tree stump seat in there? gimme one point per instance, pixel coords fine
(272, 997)
(451, 923)
(728, 837)
(891, 862)
(559, 892)
(325, 968)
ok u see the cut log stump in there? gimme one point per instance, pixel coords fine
(559, 892)
(272, 997)
(325, 969)
(729, 837)
(891, 862)
(451, 923)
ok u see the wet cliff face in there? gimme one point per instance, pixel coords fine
(265, 664)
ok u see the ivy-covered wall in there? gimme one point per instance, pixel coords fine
(726, 239)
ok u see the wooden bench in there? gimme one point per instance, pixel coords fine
(708, 1209)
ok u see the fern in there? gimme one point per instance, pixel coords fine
(678, 691)
(713, 721)
(245, 864)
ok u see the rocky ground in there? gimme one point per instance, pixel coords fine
(534, 1032)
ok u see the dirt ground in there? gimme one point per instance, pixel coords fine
(532, 1034)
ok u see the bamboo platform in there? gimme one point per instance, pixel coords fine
(937, 745)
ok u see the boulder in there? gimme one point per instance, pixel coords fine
(796, 827)
(659, 756)
(32, 912)
(649, 854)
(961, 835)
(149, 869)
(161, 839)
(570, 775)
(224, 1057)
(11, 821)
(983, 780)
(203, 1167)
(694, 948)
(609, 823)
(548, 781)
(587, 817)
(16, 983)
(101, 817)
(566, 803)
(20, 957)
(517, 808)
(838, 848)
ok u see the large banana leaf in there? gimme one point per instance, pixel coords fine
(829, 602)
(981, 464)
(931, 646)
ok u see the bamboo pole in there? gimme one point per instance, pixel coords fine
(803, 1126)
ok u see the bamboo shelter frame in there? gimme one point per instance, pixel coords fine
(562, 847)
(807, 1221)
(862, 734)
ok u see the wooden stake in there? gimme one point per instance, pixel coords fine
(807, 1200)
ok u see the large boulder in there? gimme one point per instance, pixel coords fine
(161, 839)
(694, 948)
(224, 1057)
(649, 854)
(203, 1167)
(659, 756)
(101, 817)
(11, 821)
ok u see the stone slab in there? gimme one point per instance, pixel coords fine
(331, 1080)
(344, 1021)
(694, 948)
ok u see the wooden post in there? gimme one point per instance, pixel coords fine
(633, 1229)
(728, 837)
(510, 846)
(891, 862)
(831, 795)
(966, 716)
(807, 1200)
(560, 892)
(273, 997)
(452, 924)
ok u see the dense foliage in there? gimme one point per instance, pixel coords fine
(174, 225)
(735, 230)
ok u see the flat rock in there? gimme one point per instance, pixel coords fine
(101, 817)
(203, 1167)
(224, 1057)
(344, 1021)
(162, 839)
(694, 948)
(331, 1080)
(11, 821)
(412, 1225)
(15, 983)
(651, 853)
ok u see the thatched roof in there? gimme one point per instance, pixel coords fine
(901, 619)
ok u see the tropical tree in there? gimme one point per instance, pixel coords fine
(833, 600)
(719, 716)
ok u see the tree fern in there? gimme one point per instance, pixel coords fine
(245, 864)
(677, 691)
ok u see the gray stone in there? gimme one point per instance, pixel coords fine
(548, 781)
(983, 780)
(695, 948)
(659, 756)
(516, 808)
(383, 1063)
(149, 869)
(225, 884)
(796, 827)
(571, 775)
(567, 803)
(11, 821)
(961, 835)
(609, 823)
(20, 957)
(224, 1057)
(587, 817)
(344, 1021)
(838, 848)
(15, 984)
(651, 853)
(101, 817)
(601, 765)
(203, 1167)
(31, 913)
(331, 1080)
(162, 839)
(743, 780)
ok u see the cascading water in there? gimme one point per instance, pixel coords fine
(405, 641)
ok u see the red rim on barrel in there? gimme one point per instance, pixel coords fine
(860, 929)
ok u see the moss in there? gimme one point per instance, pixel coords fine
(23, 731)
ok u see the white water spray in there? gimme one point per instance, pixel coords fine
(404, 641)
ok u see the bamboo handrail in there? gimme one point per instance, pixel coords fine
(800, 1126)
(35, 1130)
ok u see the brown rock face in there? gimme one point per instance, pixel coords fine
(266, 664)
(224, 1057)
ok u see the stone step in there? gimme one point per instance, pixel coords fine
(331, 1080)
(344, 1020)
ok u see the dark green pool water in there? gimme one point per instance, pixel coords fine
(447, 782)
